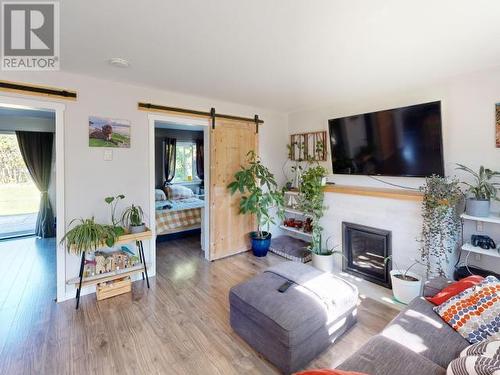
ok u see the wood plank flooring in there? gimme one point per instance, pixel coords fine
(179, 326)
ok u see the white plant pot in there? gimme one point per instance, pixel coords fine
(137, 228)
(404, 290)
(323, 262)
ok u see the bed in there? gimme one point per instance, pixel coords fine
(178, 214)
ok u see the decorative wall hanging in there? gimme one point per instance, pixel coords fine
(498, 125)
(106, 132)
(308, 146)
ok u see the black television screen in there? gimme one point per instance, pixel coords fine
(398, 142)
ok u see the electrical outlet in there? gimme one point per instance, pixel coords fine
(479, 226)
(108, 155)
(477, 257)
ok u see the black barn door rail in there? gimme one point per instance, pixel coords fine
(25, 88)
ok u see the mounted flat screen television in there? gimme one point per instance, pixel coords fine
(403, 141)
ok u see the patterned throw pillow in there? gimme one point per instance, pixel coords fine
(473, 365)
(474, 313)
(176, 192)
(486, 348)
(160, 195)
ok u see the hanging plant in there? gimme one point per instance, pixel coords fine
(441, 228)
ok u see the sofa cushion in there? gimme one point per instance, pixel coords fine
(475, 312)
(382, 356)
(454, 289)
(421, 330)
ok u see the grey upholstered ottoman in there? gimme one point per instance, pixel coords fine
(292, 328)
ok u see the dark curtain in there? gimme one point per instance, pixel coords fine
(36, 149)
(169, 156)
(200, 160)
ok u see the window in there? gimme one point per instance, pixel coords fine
(185, 164)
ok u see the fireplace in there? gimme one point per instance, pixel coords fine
(365, 249)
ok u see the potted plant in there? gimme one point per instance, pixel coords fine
(113, 202)
(482, 190)
(441, 225)
(323, 258)
(88, 236)
(311, 203)
(260, 194)
(133, 218)
(406, 285)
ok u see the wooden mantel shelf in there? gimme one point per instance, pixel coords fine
(403, 194)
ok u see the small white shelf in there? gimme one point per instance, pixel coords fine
(295, 212)
(493, 218)
(297, 231)
(478, 250)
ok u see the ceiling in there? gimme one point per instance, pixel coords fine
(281, 54)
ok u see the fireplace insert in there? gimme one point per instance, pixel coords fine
(365, 249)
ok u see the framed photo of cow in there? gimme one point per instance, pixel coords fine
(107, 132)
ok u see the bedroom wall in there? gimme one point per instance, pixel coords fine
(468, 114)
(88, 178)
(181, 136)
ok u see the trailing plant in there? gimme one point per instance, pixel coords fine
(259, 191)
(311, 202)
(88, 236)
(113, 202)
(483, 188)
(133, 216)
(441, 227)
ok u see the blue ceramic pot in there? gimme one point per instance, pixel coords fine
(260, 245)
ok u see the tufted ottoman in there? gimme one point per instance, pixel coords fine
(291, 328)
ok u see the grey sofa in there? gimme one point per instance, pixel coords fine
(416, 342)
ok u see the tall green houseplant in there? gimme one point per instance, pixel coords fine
(441, 227)
(311, 202)
(259, 194)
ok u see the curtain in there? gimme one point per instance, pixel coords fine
(169, 158)
(200, 160)
(36, 149)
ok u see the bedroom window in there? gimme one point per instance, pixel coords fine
(185, 164)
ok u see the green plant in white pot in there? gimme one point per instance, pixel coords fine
(406, 285)
(482, 190)
(133, 217)
(323, 258)
(259, 196)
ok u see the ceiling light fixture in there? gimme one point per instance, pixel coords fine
(118, 62)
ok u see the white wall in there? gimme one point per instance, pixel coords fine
(88, 178)
(468, 111)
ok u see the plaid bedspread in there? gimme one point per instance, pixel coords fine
(168, 221)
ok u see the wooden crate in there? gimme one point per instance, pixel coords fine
(113, 288)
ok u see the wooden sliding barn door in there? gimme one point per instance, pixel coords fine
(230, 142)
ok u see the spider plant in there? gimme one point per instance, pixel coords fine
(88, 236)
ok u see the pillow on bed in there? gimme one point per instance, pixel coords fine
(176, 192)
(160, 195)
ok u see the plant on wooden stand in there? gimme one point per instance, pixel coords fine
(441, 226)
(113, 202)
(133, 217)
(483, 190)
(260, 194)
(88, 236)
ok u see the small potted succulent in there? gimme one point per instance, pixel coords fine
(323, 258)
(133, 218)
(259, 195)
(406, 285)
(482, 190)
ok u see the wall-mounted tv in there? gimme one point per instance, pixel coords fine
(403, 141)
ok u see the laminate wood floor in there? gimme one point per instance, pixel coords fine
(179, 326)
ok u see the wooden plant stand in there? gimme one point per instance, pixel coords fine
(81, 281)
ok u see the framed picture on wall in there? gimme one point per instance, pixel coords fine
(497, 125)
(107, 132)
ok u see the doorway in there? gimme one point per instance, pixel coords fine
(179, 156)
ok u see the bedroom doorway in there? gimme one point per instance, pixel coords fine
(178, 182)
